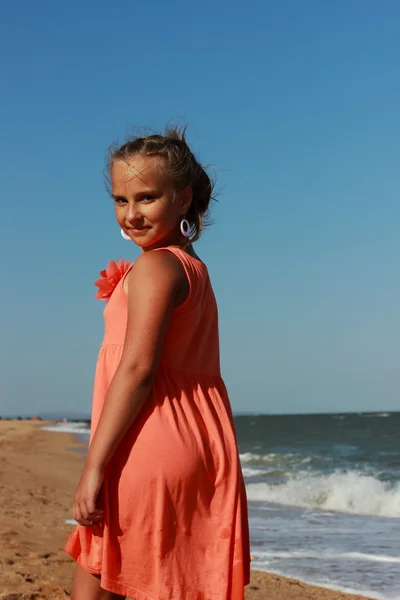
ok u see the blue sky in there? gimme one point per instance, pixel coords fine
(296, 106)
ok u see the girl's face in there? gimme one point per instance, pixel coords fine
(147, 206)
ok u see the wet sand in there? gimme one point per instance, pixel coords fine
(38, 474)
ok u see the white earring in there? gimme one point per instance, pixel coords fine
(125, 235)
(185, 227)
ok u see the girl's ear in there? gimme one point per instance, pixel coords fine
(185, 199)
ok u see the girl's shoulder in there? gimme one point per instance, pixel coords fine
(170, 269)
(156, 269)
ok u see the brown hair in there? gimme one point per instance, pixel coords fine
(185, 169)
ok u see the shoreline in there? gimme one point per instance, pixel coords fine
(38, 477)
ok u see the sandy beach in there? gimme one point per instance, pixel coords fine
(38, 473)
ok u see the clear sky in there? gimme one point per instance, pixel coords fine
(297, 107)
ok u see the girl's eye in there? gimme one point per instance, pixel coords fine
(148, 198)
(119, 201)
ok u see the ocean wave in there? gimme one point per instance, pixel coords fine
(251, 472)
(374, 415)
(78, 427)
(274, 459)
(326, 555)
(349, 492)
(325, 583)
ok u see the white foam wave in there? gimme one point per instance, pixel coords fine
(247, 457)
(350, 492)
(78, 427)
(355, 556)
(374, 415)
(250, 472)
(273, 458)
(325, 583)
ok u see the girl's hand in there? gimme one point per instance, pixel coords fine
(84, 510)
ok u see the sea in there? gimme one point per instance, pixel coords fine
(324, 497)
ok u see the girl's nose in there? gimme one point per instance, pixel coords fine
(133, 214)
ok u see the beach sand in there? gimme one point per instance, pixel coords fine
(38, 474)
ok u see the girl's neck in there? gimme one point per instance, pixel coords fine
(175, 241)
(185, 246)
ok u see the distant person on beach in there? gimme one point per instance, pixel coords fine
(161, 503)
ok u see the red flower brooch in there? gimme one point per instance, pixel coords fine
(110, 278)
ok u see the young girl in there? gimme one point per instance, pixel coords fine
(161, 503)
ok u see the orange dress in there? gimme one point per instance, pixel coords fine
(176, 525)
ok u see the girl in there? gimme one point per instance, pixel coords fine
(161, 503)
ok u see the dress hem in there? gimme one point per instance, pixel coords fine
(123, 590)
(111, 586)
(120, 589)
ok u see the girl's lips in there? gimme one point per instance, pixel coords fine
(140, 231)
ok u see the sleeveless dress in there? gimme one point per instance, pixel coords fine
(175, 525)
